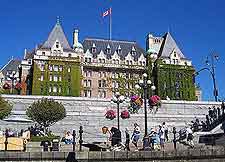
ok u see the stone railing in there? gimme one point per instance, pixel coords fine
(206, 155)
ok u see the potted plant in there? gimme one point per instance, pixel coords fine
(155, 101)
(6, 86)
(125, 114)
(110, 114)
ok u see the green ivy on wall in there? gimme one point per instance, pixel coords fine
(70, 78)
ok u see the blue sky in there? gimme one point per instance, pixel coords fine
(197, 26)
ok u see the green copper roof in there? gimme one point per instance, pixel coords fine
(151, 51)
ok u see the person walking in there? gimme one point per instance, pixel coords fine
(136, 135)
(161, 134)
(190, 137)
(166, 131)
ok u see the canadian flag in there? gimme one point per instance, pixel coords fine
(108, 12)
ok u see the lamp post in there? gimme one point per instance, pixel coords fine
(118, 99)
(145, 84)
(211, 69)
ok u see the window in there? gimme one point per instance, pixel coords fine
(43, 53)
(108, 50)
(69, 55)
(89, 74)
(131, 62)
(69, 78)
(119, 51)
(69, 69)
(113, 61)
(99, 74)
(60, 89)
(54, 89)
(57, 45)
(127, 62)
(55, 78)
(113, 74)
(103, 60)
(85, 83)
(68, 91)
(60, 67)
(117, 61)
(50, 67)
(42, 77)
(50, 77)
(93, 49)
(60, 78)
(50, 89)
(56, 68)
(101, 94)
(89, 83)
(87, 93)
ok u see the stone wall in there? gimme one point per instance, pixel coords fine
(189, 155)
(89, 112)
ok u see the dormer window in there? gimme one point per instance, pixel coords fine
(133, 51)
(57, 45)
(108, 49)
(119, 50)
(93, 48)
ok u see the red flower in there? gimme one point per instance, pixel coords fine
(154, 100)
(18, 86)
(125, 114)
(110, 114)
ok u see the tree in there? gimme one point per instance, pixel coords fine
(46, 112)
(5, 108)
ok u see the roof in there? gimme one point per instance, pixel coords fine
(12, 65)
(168, 46)
(57, 33)
(102, 44)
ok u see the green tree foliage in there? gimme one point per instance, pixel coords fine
(5, 108)
(46, 112)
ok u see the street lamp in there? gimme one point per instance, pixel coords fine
(118, 99)
(211, 69)
(145, 84)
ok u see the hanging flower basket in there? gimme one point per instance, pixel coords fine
(18, 86)
(110, 114)
(125, 114)
(155, 101)
(135, 104)
(6, 86)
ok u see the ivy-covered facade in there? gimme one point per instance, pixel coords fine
(58, 77)
(171, 72)
(53, 68)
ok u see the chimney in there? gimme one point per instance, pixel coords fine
(149, 41)
(25, 53)
(75, 37)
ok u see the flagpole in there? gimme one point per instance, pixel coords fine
(110, 24)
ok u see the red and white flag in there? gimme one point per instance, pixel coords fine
(108, 12)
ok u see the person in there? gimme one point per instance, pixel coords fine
(155, 140)
(190, 136)
(116, 136)
(161, 134)
(68, 138)
(166, 131)
(136, 135)
(127, 143)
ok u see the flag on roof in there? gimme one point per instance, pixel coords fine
(108, 12)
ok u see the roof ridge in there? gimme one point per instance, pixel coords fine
(6, 64)
(102, 39)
